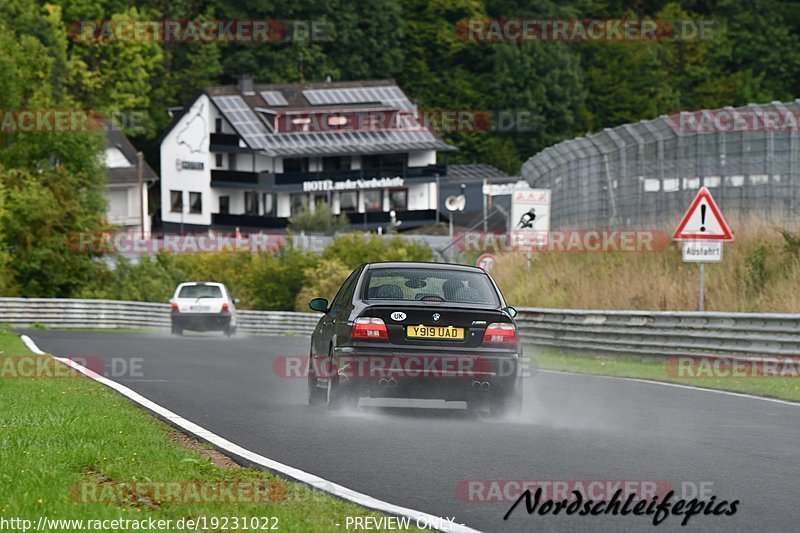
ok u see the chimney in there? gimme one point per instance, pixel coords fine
(245, 85)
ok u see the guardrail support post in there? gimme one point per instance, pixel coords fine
(700, 304)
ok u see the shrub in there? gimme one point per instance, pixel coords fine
(322, 280)
(321, 220)
(283, 280)
(273, 280)
(354, 249)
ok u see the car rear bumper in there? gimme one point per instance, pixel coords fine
(201, 321)
(387, 373)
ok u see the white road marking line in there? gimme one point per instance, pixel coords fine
(678, 386)
(309, 479)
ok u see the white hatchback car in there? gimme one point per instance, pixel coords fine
(203, 306)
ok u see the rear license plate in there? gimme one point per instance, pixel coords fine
(199, 308)
(435, 332)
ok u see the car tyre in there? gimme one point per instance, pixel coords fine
(230, 331)
(316, 396)
(505, 406)
(177, 330)
(338, 398)
(476, 407)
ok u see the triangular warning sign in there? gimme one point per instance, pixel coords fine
(703, 221)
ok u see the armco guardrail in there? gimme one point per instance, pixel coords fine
(636, 332)
(662, 332)
(68, 313)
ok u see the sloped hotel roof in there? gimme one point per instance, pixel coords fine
(251, 114)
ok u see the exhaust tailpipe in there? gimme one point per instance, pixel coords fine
(392, 382)
(383, 382)
(476, 385)
(486, 385)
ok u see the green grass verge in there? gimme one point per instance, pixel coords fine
(785, 388)
(59, 433)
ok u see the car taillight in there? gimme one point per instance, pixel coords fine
(224, 308)
(369, 328)
(175, 306)
(500, 333)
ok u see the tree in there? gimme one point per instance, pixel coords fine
(52, 180)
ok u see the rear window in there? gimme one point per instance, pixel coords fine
(200, 291)
(408, 284)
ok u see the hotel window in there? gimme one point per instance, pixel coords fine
(398, 199)
(384, 161)
(218, 161)
(231, 161)
(295, 164)
(196, 203)
(370, 162)
(373, 200)
(269, 204)
(336, 122)
(393, 161)
(348, 201)
(335, 163)
(250, 203)
(224, 205)
(298, 202)
(320, 199)
(217, 125)
(176, 201)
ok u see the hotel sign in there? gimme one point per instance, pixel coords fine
(189, 165)
(348, 185)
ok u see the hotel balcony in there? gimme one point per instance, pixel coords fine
(429, 171)
(241, 179)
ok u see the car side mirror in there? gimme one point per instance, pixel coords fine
(511, 311)
(319, 304)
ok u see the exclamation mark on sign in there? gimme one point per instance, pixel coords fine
(703, 217)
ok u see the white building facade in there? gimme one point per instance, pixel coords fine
(128, 178)
(251, 156)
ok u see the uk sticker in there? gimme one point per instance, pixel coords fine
(398, 316)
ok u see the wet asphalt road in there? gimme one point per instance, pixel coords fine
(572, 428)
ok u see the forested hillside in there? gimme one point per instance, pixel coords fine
(570, 88)
(52, 183)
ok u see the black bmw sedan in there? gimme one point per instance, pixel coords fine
(416, 330)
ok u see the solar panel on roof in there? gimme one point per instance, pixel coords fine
(247, 124)
(243, 120)
(274, 98)
(390, 96)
